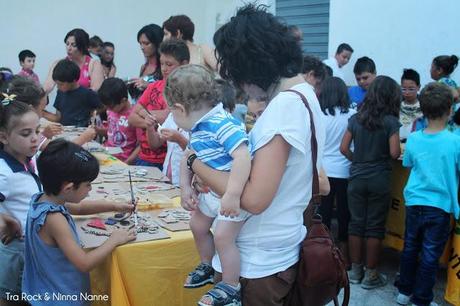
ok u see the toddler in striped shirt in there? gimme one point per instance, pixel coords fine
(220, 141)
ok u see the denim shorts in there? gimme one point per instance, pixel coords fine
(11, 268)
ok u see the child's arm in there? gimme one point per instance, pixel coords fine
(239, 175)
(96, 75)
(87, 136)
(52, 117)
(188, 196)
(89, 207)
(324, 187)
(395, 147)
(153, 137)
(57, 229)
(49, 83)
(174, 136)
(345, 145)
(132, 158)
(137, 117)
(10, 228)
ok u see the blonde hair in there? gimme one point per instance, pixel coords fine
(192, 86)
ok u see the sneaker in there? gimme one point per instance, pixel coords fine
(202, 275)
(402, 299)
(356, 273)
(373, 279)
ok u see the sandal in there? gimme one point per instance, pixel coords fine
(202, 275)
(221, 295)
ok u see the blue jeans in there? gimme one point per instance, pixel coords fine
(427, 231)
(144, 163)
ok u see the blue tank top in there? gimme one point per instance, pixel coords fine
(47, 271)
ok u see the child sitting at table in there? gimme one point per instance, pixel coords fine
(28, 92)
(431, 196)
(74, 103)
(220, 141)
(173, 53)
(55, 262)
(114, 95)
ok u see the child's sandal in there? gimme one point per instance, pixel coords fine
(202, 275)
(221, 295)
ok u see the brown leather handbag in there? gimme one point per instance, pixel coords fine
(321, 271)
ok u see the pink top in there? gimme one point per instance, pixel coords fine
(85, 78)
(120, 133)
(30, 74)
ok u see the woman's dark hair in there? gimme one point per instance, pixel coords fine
(112, 91)
(154, 34)
(227, 94)
(10, 109)
(446, 63)
(26, 90)
(254, 47)
(411, 75)
(182, 23)
(81, 40)
(334, 93)
(312, 63)
(75, 164)
(66, 71)
(103, 62)
(383, 98)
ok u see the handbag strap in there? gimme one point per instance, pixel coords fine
(315, 196)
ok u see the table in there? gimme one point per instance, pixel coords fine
(395, 233)
(149, 273)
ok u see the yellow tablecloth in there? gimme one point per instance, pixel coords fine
(149, 273)
(395, 234)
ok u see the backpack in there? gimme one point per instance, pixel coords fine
(321, 270)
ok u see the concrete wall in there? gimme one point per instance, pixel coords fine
(396, 34)
(42, 25)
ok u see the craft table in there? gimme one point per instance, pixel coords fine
(395, 233)
(149, 273)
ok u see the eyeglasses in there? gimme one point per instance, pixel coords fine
(409, 89)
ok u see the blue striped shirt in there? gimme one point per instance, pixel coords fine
(215, 136)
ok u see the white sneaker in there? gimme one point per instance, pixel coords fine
(402, 299)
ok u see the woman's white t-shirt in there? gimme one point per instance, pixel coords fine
(270, 242)
(334, 163)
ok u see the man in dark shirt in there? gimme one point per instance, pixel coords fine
(73, 103)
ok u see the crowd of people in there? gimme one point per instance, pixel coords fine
(229, 127)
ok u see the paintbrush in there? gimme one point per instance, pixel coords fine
(159, 127)
(133, 201)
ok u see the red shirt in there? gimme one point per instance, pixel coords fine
(152, 99)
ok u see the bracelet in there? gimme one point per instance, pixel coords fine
(190, 161)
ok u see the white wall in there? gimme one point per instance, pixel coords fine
(42, 25)
(396, 34)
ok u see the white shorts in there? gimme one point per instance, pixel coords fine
(210, 206)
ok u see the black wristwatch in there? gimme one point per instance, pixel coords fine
(191, 158)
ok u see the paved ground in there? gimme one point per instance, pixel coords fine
(386, 295)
